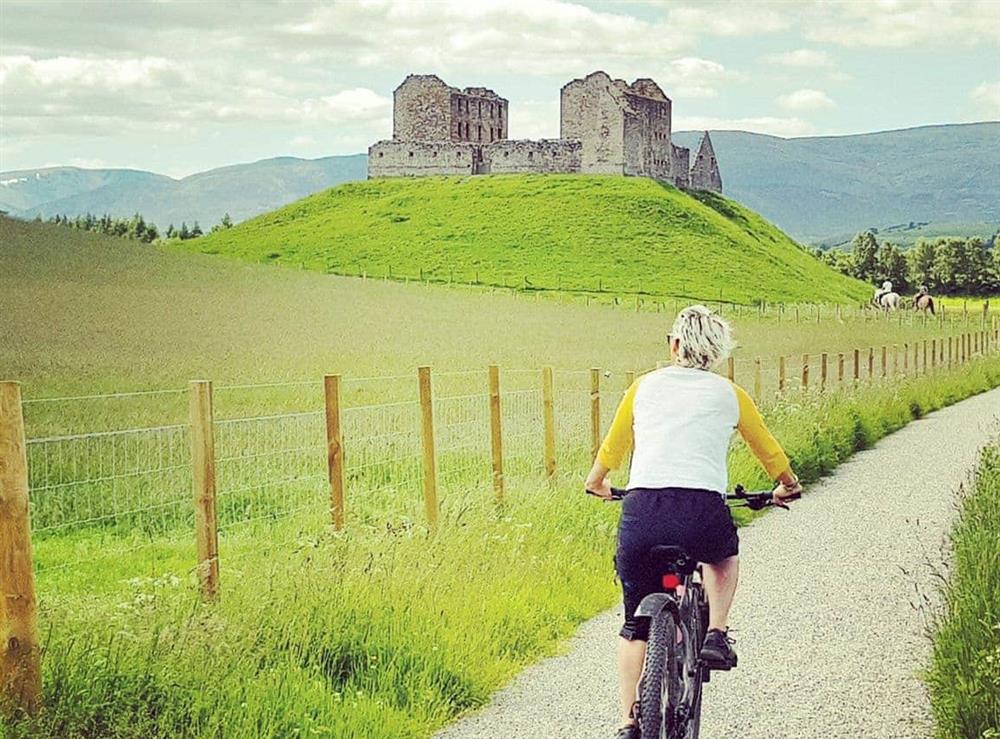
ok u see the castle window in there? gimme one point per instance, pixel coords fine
(411, 153)
(380, 155)
(434, 154)
(479, 132)
(480, 108)
(499, 132)
(530, 155)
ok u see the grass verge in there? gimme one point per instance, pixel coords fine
(383, 630)
(964, 678)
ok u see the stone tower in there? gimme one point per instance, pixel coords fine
(426, 109)
(624, 129)
(704, 168)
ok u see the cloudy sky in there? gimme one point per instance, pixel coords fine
(179, 87)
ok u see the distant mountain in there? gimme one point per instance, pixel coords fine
(242, 190)
(817, 187)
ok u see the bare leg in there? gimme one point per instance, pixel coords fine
(630, 658)
(720, 585)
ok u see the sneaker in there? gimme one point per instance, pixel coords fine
(716, 652)
(629, 731)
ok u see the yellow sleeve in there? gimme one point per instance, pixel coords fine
(618, 442)
(764, 446)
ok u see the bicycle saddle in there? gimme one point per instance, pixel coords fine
(669, 558)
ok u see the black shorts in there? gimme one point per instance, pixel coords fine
(697, 520)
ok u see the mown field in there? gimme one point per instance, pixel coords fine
(552, 232)
(382, 629)
(964, 677)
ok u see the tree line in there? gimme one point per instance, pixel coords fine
(946, 265)
(136, 228)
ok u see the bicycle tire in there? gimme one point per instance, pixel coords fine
(660, 679)
(694, 636)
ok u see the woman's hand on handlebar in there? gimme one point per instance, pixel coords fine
(787, 489)
(600, 489)
(597, 481)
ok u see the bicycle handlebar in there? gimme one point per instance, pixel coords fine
(756, 500)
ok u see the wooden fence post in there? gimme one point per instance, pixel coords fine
(203, 486)
(950, 342)
(496, 433)
(595, 412)
(906, 356)
(885, 360)
(933, 353)
(805, 371)
(925, 356)
(731, 369)
(857, 365)
(427, 436)
(781, 374)
(916, 357)
(822, 371)
(871, 362)
(895, 359)
(756, 380)
(334, 450)
(549, 413)
(840, 367)
(20, 653)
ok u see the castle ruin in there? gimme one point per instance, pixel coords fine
(606, 127)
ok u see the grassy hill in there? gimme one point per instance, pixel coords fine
(817, 187)
(559, 232)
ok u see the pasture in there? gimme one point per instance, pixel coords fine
(388, 626)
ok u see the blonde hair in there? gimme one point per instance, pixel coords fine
(705, 338)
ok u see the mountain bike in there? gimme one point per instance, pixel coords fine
(669, 694)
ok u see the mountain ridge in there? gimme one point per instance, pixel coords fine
(813, 187)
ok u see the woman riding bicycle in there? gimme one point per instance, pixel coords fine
(679, 421)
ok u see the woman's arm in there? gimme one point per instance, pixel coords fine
(616, 445)
(764, 446)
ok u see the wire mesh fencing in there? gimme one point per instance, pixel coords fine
(124, 497)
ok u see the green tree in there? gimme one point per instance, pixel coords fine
(864, 256)
(892, 266)
(196, 230)
(184, 234)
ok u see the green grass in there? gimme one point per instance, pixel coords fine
(964, 677)
(566, 232)
(382, 630)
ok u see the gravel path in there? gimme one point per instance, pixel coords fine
(829, 643)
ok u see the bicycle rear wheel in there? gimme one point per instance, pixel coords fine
(661, 685)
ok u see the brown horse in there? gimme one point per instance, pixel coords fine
(924, 302)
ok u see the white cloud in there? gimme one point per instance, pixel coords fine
(730, 19)
(805, 100)
(902, 23)
(987, 97)
(693, 77)
(806, 58)
(785, 127)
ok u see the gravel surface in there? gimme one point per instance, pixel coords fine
(829, 643)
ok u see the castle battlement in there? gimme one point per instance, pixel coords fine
(606, 126)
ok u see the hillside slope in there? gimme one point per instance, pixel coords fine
(558, 231)
(816, 187)
(242, 190)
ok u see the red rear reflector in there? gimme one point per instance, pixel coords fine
(671, 581)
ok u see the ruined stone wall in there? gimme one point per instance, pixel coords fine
(681, 156)
(591, 113)
(548, 156)
(652, 127)
(406, 158)
(704, 174)
(635, 147)
(421, 109)
(479, 117)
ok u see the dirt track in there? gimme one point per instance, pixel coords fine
(829, 643)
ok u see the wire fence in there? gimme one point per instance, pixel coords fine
(123, 498)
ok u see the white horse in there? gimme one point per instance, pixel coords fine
(885, 299)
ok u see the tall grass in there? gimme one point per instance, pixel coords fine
(382, 630)
(964, 677)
